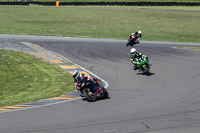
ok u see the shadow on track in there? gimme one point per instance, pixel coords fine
(98, 99)
(149, 74)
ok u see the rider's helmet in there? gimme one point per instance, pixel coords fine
(133, 51)
(75, 74)
(139, 32)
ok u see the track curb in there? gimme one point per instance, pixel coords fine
(65, 64)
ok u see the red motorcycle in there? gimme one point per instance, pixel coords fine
(133, 39)
(87, 89)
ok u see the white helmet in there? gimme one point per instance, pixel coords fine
(133, 51)
(75, 73)
(139, 32)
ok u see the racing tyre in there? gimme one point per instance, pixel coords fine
(89, 97)
(128, 43)
(146, 70)
(106, 94)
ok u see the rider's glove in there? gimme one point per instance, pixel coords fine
(135, 63)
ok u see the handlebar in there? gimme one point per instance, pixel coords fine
(139, 63)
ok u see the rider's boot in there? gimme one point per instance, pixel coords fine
(101, 91)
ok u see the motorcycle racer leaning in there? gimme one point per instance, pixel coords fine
(138, 34)
(135, 58)
(78, 77)
(134, 38)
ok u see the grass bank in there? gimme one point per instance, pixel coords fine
(113, 22)
(24, 78)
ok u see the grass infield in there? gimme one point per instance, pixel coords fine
(24, 78)
(173, 24)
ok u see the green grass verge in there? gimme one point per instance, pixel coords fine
(24, 78)
(113, 22)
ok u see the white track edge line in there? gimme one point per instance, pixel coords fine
(106, 86)
(40, 105)
(106, 83)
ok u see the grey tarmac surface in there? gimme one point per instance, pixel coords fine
(165, 102)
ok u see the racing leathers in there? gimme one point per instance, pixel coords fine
(136, 59)
(134, 38)
(90, 82)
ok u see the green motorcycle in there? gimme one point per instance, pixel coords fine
(143, 64)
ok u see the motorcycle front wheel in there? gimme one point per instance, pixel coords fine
(128, 43)
(88, 94)
(146, 69)
(106, 94)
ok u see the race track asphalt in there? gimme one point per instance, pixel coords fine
(167, 101)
